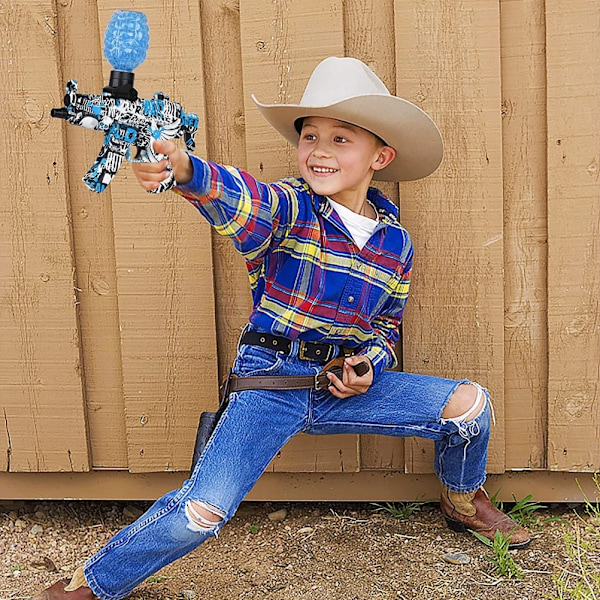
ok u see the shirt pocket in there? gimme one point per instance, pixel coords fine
(387, 287)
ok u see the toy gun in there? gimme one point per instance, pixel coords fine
(125, 119)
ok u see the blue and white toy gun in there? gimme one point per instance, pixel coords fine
(125, 119)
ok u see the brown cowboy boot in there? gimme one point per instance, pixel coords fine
(474, 511)
(68, 589)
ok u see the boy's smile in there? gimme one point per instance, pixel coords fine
(338, 160)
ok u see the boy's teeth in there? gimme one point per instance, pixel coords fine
(323, 170)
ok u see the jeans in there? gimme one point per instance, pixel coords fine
(252, 430)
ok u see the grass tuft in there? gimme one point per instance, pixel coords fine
(398, 510)
(579, 578)
(504, 564)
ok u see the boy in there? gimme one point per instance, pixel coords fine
(329, 267)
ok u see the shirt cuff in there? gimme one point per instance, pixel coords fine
(200, 183)
(380, 358)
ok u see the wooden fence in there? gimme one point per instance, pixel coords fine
(119, 312)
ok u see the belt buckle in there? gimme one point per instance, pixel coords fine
(302, 349)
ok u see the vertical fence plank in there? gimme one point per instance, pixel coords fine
(448, 57)
(573, 73)
(226, 144)
(94, 245)
(41, 394)
(523, 38)
(369, 36)
(282, 42)
(164, 266)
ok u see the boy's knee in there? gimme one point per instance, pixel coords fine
(203, 516)
(467, 399)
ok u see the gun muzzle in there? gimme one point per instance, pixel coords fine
(59, 113)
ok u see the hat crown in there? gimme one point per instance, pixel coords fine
(336, 79)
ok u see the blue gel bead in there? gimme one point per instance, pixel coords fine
(126, 40)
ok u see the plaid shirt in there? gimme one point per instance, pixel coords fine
(309, 280)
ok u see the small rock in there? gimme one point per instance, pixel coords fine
(132, 512)
(456, 558)
(19, 523)
(189, 594)
(44, 565)
(36, 529)
(12, 515)
(305, 530)
(278, 515)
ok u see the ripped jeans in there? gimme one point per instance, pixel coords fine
(252, 430)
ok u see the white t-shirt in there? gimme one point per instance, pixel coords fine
(360, 227)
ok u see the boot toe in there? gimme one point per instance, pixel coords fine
(57, 592)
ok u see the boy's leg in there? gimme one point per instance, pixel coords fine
(455, 414)
(251, 431)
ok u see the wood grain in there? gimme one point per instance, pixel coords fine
(449, 64)
(523, 37)
(41, 387)
(164, 266)
(573, 38)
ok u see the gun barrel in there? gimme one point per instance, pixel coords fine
(59, 113)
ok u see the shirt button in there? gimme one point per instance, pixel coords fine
(350, 299)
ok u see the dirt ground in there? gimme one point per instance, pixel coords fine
(317, 551)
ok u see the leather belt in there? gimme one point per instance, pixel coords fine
(306, 350)
(319, 381)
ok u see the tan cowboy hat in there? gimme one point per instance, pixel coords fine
(346, 89)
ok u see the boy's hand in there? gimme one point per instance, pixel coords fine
(150, 174)
(351, 384)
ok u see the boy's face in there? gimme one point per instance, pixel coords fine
(338, 159)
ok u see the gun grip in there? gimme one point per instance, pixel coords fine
(167, 183)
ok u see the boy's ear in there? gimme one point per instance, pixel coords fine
(384, 158)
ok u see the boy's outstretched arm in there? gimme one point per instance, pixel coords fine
(150, 174)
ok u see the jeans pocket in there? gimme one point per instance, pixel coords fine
(255, 360)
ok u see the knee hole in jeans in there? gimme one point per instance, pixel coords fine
(465, 404)
(202, 516)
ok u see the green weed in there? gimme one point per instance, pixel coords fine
(523, 511)
(579, 578)
(502, 560)
(253, 528)
(592, 508)
(398, 510)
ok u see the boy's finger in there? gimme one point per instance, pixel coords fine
(164, 147)
(336, 382)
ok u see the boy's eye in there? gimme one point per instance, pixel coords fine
(310, 137)
(339, 139)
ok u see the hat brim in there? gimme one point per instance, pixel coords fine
(400, 123)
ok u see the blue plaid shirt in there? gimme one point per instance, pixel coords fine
(309, 280)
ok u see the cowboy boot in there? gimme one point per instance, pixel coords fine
(474, 511)
(68, 589)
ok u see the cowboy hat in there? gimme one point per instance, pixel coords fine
(346, 89)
